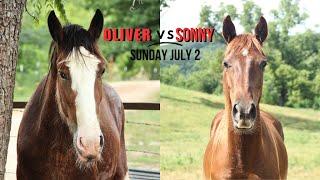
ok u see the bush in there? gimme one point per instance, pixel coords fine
(169, 75)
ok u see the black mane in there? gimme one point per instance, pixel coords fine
(75, 36)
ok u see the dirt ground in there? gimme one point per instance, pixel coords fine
(129, 91)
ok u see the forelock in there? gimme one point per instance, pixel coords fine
(242, 43)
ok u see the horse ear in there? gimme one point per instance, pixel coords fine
(229, 31)
(261, 30)
(55, 27)
(96, 25)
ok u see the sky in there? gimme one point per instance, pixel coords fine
(185, 13)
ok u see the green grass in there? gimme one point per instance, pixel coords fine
(185, 123)
(25, 86)
(143, 138)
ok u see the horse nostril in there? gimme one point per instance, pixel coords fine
(235, 109)
(101, 141)
(90, 157)
(252, 111)
(80, 141)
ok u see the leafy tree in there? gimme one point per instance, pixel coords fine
(316, 90)
(214, 18)
(208, 72)
(164, 4)
(205, 16)
(37, 7)
(169, 75)
(251, 13)
(288, 16)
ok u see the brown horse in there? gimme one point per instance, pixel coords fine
(245, 142)
(73, 126)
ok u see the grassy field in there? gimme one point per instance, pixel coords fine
(141, 137)
(185, 122)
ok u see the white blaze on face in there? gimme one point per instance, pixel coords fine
(83, 67)
(245, 52)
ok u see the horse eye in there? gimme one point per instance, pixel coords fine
(102, 72)
(63, 75)
(226, 65)
(263, 64)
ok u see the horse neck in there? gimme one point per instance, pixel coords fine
(243, 148)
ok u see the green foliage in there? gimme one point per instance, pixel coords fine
(36, 7)
(292, 75)
(169, 75)
(151, 69)
(251, 12)
(316, 90)
(205, 76)
(288, 15)
(205, 17)
(209, 18)
(164, 4)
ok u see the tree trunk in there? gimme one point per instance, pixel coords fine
(10, 23)
(283, 96)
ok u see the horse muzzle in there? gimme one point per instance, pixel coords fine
(89, 148)
(244, 115)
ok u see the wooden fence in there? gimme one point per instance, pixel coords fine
(127, 106)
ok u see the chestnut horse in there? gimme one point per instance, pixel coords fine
(73, 126)
(245, 143)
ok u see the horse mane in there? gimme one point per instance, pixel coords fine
(75, 36)
(242, 42)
